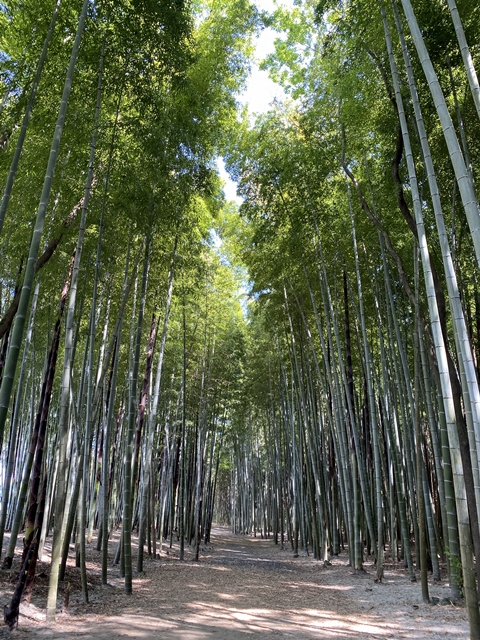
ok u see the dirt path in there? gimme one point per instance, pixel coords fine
(244, 587)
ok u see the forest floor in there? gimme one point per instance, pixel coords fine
(242, 587)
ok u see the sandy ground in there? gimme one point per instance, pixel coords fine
(241, 587)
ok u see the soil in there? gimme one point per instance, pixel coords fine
(241, 587)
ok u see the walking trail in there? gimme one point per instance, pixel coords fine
(242, 587)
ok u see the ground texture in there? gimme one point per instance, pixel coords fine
(241, 587)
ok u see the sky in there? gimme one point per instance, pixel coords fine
(260, 90)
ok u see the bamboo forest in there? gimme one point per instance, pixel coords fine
(297, 366)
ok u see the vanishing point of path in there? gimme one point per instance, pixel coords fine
(247, 587)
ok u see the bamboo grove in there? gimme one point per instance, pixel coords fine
(122, 331)
(359, 227)
(337, 411)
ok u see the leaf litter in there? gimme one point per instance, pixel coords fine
(242, 586)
